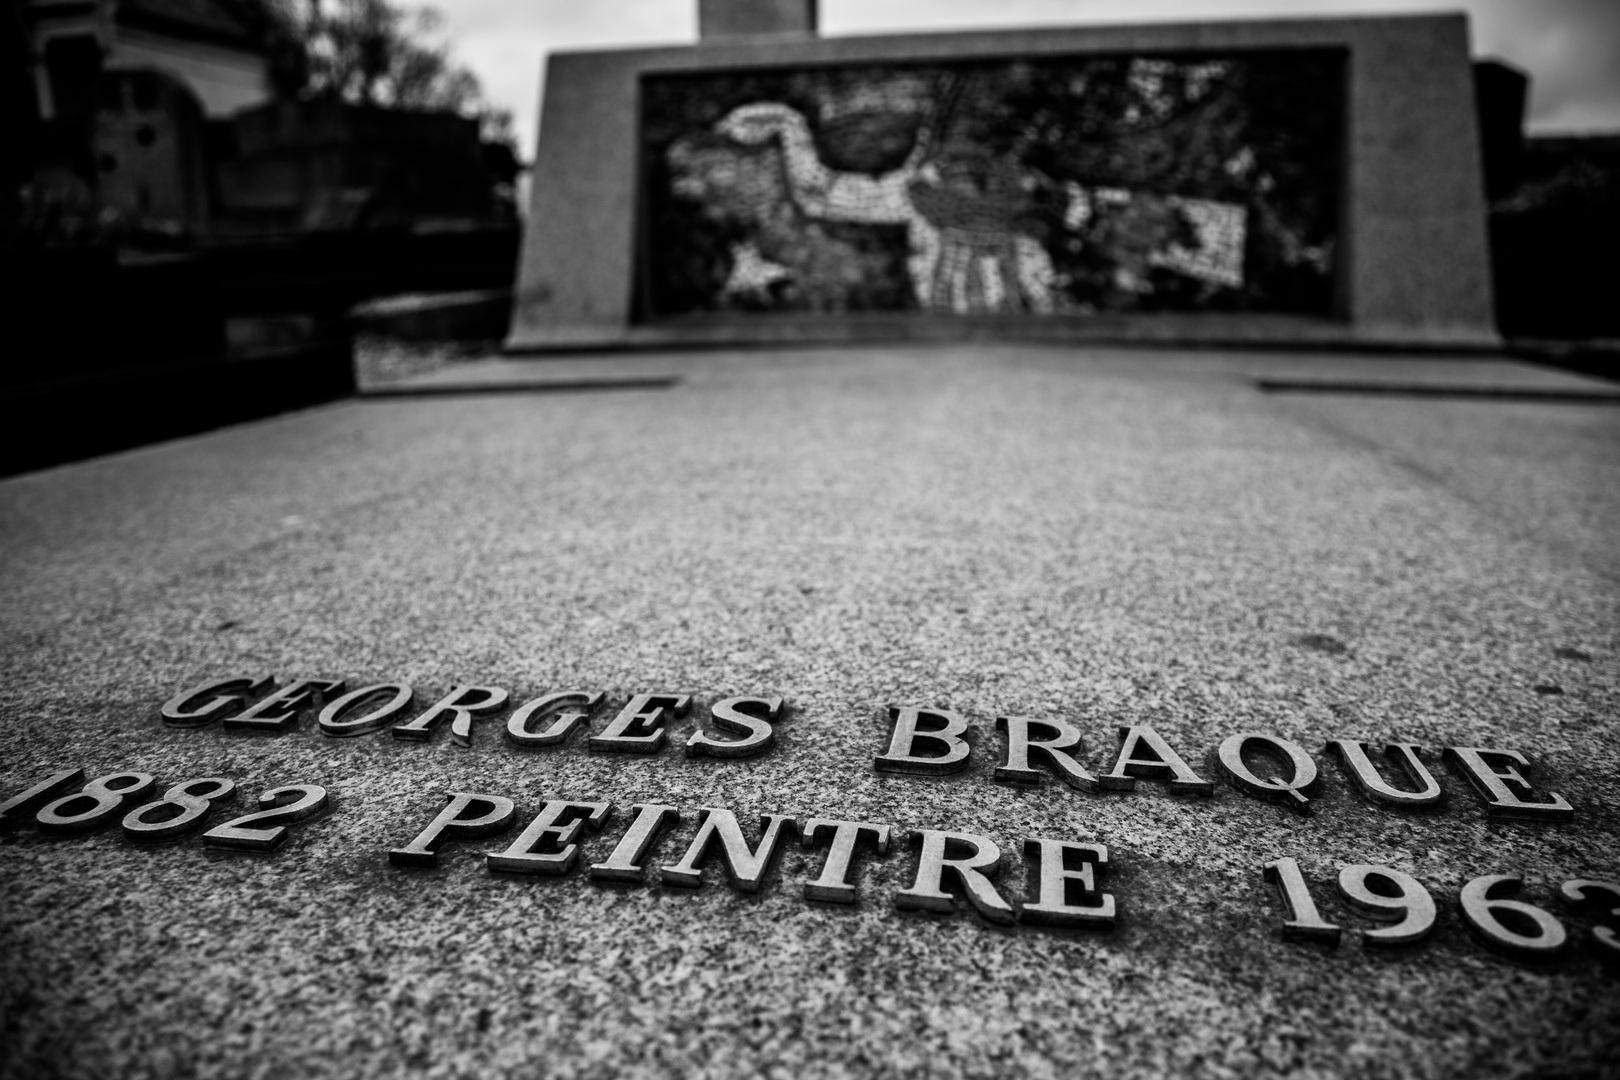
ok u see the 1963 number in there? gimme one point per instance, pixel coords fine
(1510, 927)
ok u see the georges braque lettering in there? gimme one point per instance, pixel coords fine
(1498, 776)
(638, 727)
(1066, 875)
(922, 741)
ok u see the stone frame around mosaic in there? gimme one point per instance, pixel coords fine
(1413, 262)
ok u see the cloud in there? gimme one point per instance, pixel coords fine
(505, 42)
(1571, 48)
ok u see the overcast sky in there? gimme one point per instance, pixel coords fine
(1571, 48)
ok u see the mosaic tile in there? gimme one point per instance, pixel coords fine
(1058, 186)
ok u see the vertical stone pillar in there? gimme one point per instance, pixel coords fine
(751, 18)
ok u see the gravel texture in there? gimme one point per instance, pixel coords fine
(1108, 537)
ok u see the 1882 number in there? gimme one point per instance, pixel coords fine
(64, 804)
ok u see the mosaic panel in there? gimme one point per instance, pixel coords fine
(1072, 185)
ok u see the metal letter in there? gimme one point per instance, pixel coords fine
(230, 691)
(22, 806)
(1411, 908)
(1492, 785)
(464, 817)
(834, 885)
(279, 711)
(734, 715)
(183, 810)
(908, 730)
(1292, 792)
(556, 828)
(1304, 922)
(1480, 913)
(94, 806)
(375, 720)
(973, 869)
(1165, 762)
(1055, 876)
(248, 832)
(1366, 777)
(639, 727)
(1064, 737)
(625, 862)
(745, 867)
(1586, 894)
(462, 711)
(517, 725)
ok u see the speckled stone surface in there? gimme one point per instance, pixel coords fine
(1108, 537)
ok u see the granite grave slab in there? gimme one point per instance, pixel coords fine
(749, 579)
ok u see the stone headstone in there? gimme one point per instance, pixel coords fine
(751, 18)
(1314, 181)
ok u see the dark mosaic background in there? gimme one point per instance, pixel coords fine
(1058, 186)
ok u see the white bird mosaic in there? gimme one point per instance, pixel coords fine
(964, 255)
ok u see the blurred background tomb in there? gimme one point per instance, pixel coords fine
(208, 200)
(205, 189)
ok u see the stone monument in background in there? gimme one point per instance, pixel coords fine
(731, 18)
(1307, 181)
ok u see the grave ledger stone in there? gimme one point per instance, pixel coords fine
(1298, 181)
(894, 711)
